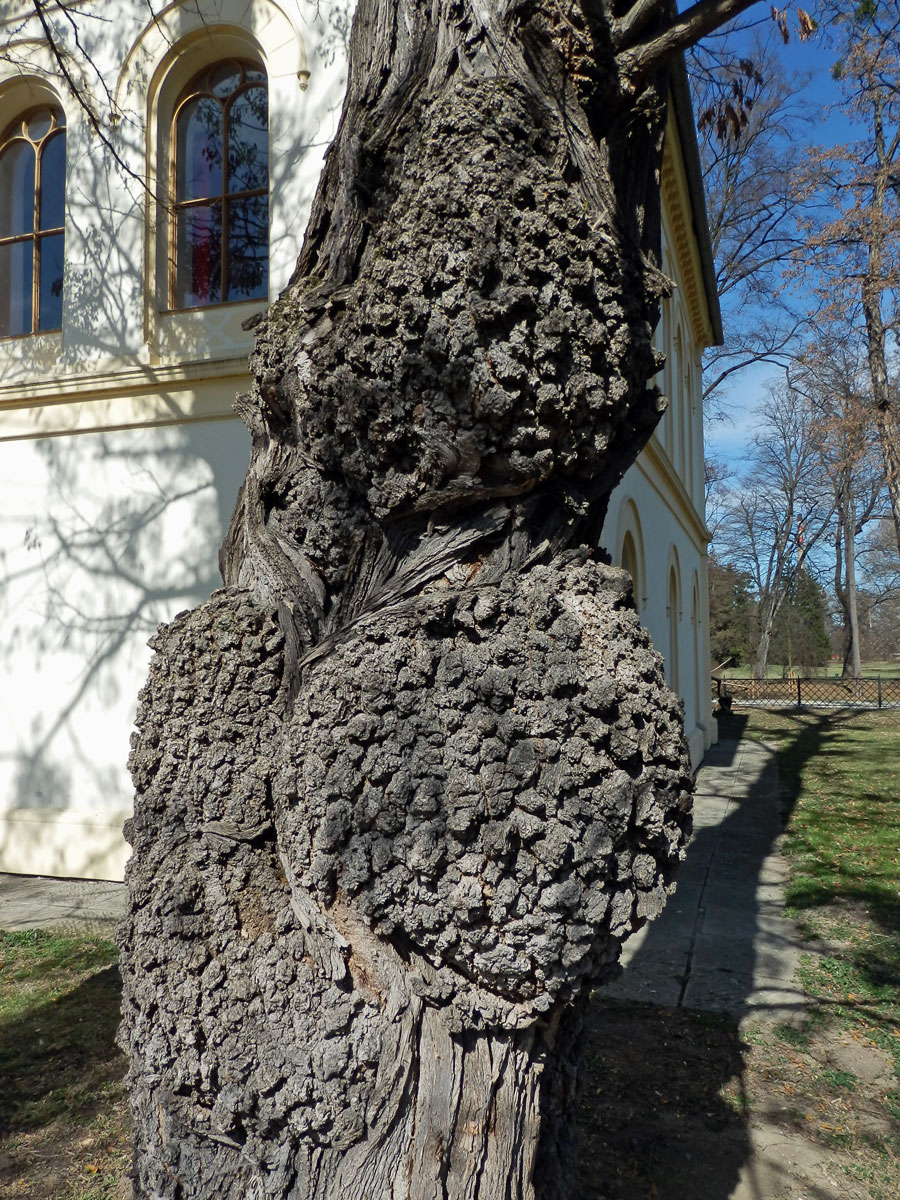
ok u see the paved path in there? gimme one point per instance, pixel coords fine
(721, 942)
(70, 905)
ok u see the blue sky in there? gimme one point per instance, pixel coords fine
(728, 439)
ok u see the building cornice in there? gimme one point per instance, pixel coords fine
(121, 399)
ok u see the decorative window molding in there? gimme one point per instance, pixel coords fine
(630, 540)
(181, 41)
(32, 222)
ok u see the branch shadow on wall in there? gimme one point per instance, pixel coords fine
(123, 534)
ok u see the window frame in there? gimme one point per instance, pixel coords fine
(190, 92)
(16, 130)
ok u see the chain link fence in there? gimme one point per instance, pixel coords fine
(865, 692)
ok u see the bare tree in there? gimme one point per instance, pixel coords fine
(751, 117)
(832, 379)
(855, 252)
(780, 508)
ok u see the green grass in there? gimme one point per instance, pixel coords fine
(62, 1105)
(830, 670)
(841, 773)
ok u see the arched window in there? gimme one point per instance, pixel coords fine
(672, 606)
(221, 188)
(32, 220)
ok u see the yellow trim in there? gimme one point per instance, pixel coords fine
(677, 499)
(121, 400)
(676, 207)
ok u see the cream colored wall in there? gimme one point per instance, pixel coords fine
(105, 533)
(119, 457)
(660, 501)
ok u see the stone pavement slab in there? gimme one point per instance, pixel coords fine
(722, 942)
(69, 905)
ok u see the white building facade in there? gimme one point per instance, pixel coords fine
(130, 257)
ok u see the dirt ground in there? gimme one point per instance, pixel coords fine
(683, 1105)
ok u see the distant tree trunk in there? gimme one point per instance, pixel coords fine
(846, 591)
(768, 611)
(403, 788)
(873, 286)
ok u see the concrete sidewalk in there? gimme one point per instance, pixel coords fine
(69, 905)
(721, 943)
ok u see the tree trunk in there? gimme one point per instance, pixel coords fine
(889, 439)
(847, 515)
(873, 287)
(403, 788)
(768, 611)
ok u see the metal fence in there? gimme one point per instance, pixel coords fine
(867, 692)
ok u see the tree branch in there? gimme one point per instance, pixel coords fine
(639, 61)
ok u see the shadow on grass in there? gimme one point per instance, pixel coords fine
(62, 1073)
(846, 844)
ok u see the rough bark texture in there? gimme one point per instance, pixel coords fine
(406, 784)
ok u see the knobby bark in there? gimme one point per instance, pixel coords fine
(404, 786)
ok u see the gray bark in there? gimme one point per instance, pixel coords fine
(406, 784)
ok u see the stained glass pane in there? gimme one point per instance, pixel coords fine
(199, 150)
(224, 79)
(50, 257)
(198, 256)
(248, 141)
(53, 182)
(248, 248)
(254, 74)
(15, 288)
(16, 189)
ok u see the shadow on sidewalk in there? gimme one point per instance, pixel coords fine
(663, 1113)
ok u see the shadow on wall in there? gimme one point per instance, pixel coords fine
(104, 535)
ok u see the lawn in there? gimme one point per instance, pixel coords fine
(831, 670)
(841, 777)
(63, 1129)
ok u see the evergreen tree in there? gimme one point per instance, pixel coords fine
(730, 614)
(800, 638)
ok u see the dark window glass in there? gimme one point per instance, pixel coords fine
(248, 141)
(39, 124)
(221, 174)
(198, 254)
(32, 219)
(16, 266)
(200, 145)
(248, 250)
(52, 213)
(225, 79)
(17, 164)
(50, 290)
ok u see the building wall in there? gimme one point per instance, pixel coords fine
(655, 526)
(119, 457)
